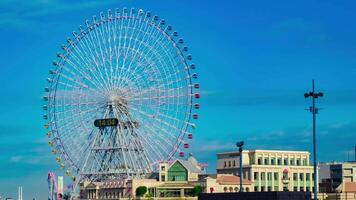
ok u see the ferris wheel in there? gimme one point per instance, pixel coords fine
(121, 97)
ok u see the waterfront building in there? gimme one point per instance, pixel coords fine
(174, 179)
(270, 170)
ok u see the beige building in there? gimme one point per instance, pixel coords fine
(270, 170)
(175, 180)
(218, 183)
(335, 175)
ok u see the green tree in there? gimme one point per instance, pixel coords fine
(141, 190)
(66, 196)
(197, 190)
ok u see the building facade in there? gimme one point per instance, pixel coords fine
(333, 176)
(270, 170)
(175, 179)
(221, 183)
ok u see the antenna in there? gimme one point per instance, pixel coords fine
(314, 95)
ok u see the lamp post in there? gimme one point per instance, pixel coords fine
(239, 145)
(314, 95)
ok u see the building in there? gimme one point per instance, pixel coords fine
(222, 183)
(270, 170)
(174, 179)
(335, 175)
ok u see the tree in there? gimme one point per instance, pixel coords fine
(66, 196)
(197, 190)
(140, 191)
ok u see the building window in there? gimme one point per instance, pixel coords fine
(301, 177)
(225, 189)
(236, 189)
(291, 162)
(276, 188)
(285, 162)
(312, 177)
(301, 189)
(229, 163)
(304, 162)
(266, 161)
(231, 189)
(307, 176)
(163, 168)
(224, 163)
(279, 161)
(247, 189)
(285, 176)
(255, 189)
(285, 188)
(295, 175)
(263, 175)
(298, 162)
(262, 188)
(275, 176)
(234, 163)
(259, 161)
(269, 176)
(163, 178)
(255, 176)
(308, 189)
(272, 161)
(269, 188)
(295, 189)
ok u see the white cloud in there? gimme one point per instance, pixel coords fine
(18, 14)
(16, 159)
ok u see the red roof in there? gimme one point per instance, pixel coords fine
(350, 187)
(231, 179)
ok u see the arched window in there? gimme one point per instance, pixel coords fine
(231, 189)
(225, 189)
(247, 189)
(236, 189)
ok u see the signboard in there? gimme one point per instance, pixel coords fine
(106, 122)
(101, 123)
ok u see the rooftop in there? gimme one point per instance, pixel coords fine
(265, 151)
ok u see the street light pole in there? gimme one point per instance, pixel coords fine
(314, 111)
(239, 145)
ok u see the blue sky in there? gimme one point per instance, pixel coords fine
(255, 60)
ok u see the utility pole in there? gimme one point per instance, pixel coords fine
(239, 145)
(314, 95)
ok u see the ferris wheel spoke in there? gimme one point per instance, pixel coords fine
(140, 43)
(150, 117)
(156, 148)
(64, 118)
(132, 28)
(106, 53)
(165, 123)
(145, 44)
(83, 58)
(94, 57)
(101, 56)
(138, 30)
